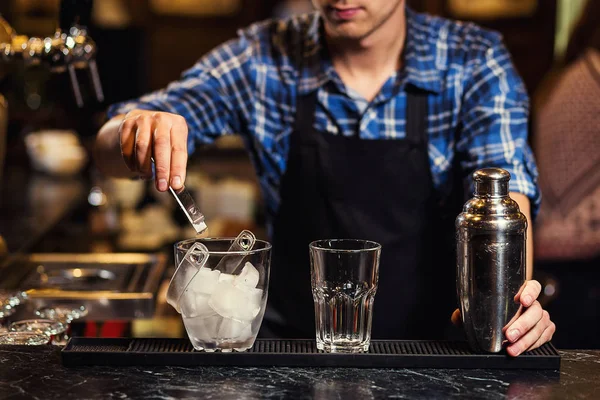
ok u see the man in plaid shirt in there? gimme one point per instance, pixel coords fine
(363, 119)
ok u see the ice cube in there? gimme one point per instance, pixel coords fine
(211, 326)
(249, 276)
(205, 281)
(204, 329)
(226, 278)
(226, 299)
(234, 302)
(255, 297)
(232, 329)
(194, 326)
(195, 305)
(187, 305)
(246, 333)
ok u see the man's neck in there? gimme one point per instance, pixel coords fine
(365, 64)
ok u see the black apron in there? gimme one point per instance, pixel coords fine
(338, 187)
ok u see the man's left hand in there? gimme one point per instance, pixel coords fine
(533, 327)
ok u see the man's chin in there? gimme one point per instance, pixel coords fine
(347, 31)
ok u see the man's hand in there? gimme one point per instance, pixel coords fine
(533, 327)
(529, 330)
(144, 134)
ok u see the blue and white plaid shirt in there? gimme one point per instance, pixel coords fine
(249, 86)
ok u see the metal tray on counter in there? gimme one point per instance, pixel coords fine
(299, 353)
(112, 286)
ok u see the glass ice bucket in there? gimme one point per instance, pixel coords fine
(223, 301)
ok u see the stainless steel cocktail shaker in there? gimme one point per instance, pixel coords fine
(491, 237)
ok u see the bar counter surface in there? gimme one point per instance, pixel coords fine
(35, 372)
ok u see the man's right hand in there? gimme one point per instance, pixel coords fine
(144, 134)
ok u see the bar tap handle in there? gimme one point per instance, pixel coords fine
(69, 49)
(83, 52)
(95, 77)
(74, 18)
(75, 85)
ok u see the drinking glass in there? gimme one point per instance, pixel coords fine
(224, 303)
(23, 338)
(344, 275)
(52, 329)
(46, 326)
(65, 314)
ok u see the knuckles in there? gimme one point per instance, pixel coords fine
(161, 170)
(161, 141)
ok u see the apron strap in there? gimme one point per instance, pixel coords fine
(416, 117)
(306, 107)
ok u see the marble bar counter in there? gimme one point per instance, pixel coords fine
(36, 373)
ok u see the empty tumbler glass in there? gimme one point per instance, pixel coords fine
(344, 275)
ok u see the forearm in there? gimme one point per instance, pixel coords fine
(107, 150)
(525, 207)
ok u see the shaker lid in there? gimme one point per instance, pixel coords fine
(491, 182)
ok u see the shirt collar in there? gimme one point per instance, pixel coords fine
(419, 68)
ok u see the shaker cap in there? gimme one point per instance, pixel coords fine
(491, 182)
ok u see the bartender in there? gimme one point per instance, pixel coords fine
(363, 120)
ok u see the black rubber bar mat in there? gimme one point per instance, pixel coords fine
(299, 353)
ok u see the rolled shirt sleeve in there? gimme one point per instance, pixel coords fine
(494, 117)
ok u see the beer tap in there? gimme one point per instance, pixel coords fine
(69, 49)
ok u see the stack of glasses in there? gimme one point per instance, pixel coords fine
(51, 326)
